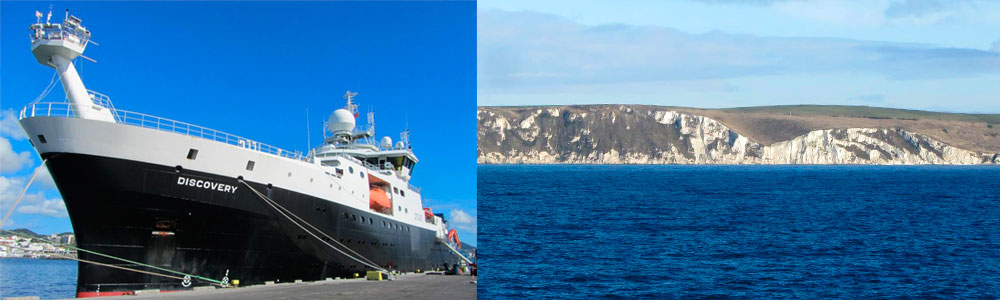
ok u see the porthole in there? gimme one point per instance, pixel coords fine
(402, 193)
(354, 217)
(400, 208)
(289, 174)
(350, 169)
(371, 222)
(362, 219)
(406, 210)
(362, 174)
(346, 217)
(395, 190)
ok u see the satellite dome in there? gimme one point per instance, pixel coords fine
(399, 145)
(341, 121)
(386, 142)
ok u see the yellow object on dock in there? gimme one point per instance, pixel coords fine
(377, 275)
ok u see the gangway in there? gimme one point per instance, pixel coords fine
(459, 253)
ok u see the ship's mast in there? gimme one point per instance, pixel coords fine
(55, 46)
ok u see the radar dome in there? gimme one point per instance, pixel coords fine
(386, 142)
(399, 145)
(341, 121)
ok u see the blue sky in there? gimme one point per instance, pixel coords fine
(916, 54)
(252, 69)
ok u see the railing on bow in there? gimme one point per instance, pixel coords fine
(64, 109)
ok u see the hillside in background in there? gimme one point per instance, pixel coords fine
(749, 135)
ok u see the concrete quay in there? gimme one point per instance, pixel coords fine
(407, 286)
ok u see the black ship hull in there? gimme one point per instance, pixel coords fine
(217, 228)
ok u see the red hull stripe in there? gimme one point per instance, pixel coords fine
(102, 294)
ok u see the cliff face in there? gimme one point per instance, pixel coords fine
(654, 135)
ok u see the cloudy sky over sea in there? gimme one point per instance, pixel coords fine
(915, 54)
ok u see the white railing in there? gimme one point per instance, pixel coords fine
(64, 109)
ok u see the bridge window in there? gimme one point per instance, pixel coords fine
(192, 153)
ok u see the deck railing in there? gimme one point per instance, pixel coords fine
(65, 109)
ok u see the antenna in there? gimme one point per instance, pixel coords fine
(353, 108)
(308, 138)
(371, 121)
(47, 19)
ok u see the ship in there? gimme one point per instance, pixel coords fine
(149, 196)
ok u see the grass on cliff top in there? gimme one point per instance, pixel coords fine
(866, 112)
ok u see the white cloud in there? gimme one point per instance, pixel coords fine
(9, 126)
(31, 203)
(463, 220)
(49, 207)
(11, 161)
(533, 53)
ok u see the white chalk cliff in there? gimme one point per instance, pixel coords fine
(627, 135)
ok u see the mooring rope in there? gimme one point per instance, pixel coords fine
(120, 267)
(12, 207)
(317, 229)
(192, 276)
(282, 210)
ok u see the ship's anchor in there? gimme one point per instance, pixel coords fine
(225, 279)
(187, 281)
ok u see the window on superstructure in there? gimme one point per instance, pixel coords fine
(350, 169)
(250, 165)
(362, 174)
(395, 190)
(41, 139)
(192, 153)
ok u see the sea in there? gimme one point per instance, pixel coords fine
(45, 278)
(725, 232)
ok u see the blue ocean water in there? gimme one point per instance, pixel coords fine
(665, 232)
(46, 278)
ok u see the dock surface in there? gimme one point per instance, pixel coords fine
(408, 286)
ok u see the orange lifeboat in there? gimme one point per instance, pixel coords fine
(428, 213)
(379, 199)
